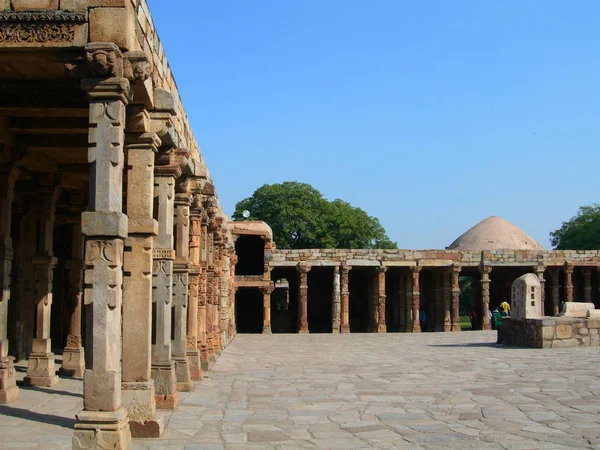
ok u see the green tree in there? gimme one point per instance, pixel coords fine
(301, 218)
(581, 232)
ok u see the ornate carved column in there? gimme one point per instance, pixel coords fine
(103, 421)
(447, 290)
(303, 268)
(193, 341)
(416, 298)
(587, 284)
(345, 298)
(266, 292)
(73, 363)
(381, 325)
(554, 289)
(539, 271)
(8, 388)
(485, 297)
(455, 297)
(181, 271)
(225, 286)
(569, 268)
(40, 369)
(336, 307)
(232, 291)
(163, 366)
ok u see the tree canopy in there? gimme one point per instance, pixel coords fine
(581, 232)
(301, 217)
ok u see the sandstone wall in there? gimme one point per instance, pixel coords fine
(552, 332)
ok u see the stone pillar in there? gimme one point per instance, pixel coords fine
(138, 389)
(539, 271)
(381, 325)
(416, 298)
(568, 268)
(193, 341)
(485, 297)
(455, 298)
(447, 291)
(345, 298)
(266, 292)
(439, 300)
(408, 310)
(8, 388)
(163, 255)
(336, 300)
(587, 284)
(181, 271)
(232, 291)
(73, 363)
(103, 421)
(402, 301)
(554, 289)
(224, 301)
(40, 369)
(303, 268)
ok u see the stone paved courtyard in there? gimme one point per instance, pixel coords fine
(442, 390)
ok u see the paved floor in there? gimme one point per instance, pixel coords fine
(430, 391)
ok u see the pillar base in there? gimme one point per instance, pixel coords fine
(335, 331)
(266, 330)
(303, 331)
(206, 365)
(486, 326)
(345, 329)
(139, 400)
(193, 355)
(73, 363)
(102, 429)
(41, 370)
(381, 328)
(415, 329)
(456, 327)
(182, 371)
(9, 391)
(165, 385)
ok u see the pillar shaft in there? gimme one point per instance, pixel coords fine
(416, 298)
(568, 269)
(381, 325)
(587, 284)
(336, 300)
(485, 297)
(447, 290)
(539, 270)
(266, 292)
(455, 298)
(303, 268)
(345, 299)
(193, 340)
(555, 289)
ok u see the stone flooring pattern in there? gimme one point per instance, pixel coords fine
(423, 391)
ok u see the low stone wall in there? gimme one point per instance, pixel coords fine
(552, 332)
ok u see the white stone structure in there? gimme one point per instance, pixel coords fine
(526, 297)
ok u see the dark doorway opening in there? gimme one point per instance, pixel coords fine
(320, 294)
(284, 314)
(250, 251)
(360, 286)
(249, 310)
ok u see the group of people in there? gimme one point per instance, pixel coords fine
(495, 318)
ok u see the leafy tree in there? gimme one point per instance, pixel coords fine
(581, 232)
(301, 218)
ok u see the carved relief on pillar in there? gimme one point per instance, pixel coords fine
(416, 298)
(539, 271)
(555, 289)
(485, 297)
(266, 292)
(303, 268)
(345, 298)
(381, 325)
(568, 270)
(456, 269)
(447, 298)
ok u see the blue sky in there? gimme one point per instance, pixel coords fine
(430, 115)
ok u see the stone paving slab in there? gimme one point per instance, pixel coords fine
(423, 391)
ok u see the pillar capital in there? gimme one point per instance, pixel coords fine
(345, 267)
(415, 269)
(268, 289)
(485, 270)
(303, 267)
(568, 267)
(381, 269)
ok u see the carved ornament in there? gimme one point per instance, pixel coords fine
(39, 26)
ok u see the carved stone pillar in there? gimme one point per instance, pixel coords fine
(73, 362)
(163, 366)
(193, 341)
(202, 315)
(336, 307)
(485, 297)
(138, 390)
(569, 268)
(447, 291)
(416, 299)
(554, 289)
(180, 289)
(381, 325)
(455, 298)
(539, 271)
(8, 388)
(224, 302)
(266, 292)
(408, 310)
(587, 284)
(303, 268)
(345, 300)
(40, 369)
(103, 421)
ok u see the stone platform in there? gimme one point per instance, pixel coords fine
(417, 391)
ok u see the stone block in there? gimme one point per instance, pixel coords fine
(564, 331)
(593, 323)
(104, 223)
(152, 428)
(34, 4)
(576, 309)
(113, 25)
(102, 429)
(595, 340)
(165, 101)
(583, 331)
(565, 343)
(4, 5)
(585, 341)
(548, 332)
(85, 4)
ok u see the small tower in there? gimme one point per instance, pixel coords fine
(526, 297)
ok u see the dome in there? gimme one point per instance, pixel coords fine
(495, 233)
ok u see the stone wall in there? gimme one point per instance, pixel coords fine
(552, 332)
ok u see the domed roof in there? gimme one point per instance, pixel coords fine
(495, 233)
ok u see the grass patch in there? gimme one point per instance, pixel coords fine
(465, 323)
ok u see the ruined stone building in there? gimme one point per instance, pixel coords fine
(115, 252)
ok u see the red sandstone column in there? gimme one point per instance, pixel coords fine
(587, 284)
(381, 326)
(569, 282)
(539, 270)
(555, 289)
(303, 268)
(266, 292)
(409, 304)
(455, 298)
(344, 273)
(193, 341)
(447, 291)
(485, 297)
(416, 299)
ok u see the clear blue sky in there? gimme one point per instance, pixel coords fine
(430, 115)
